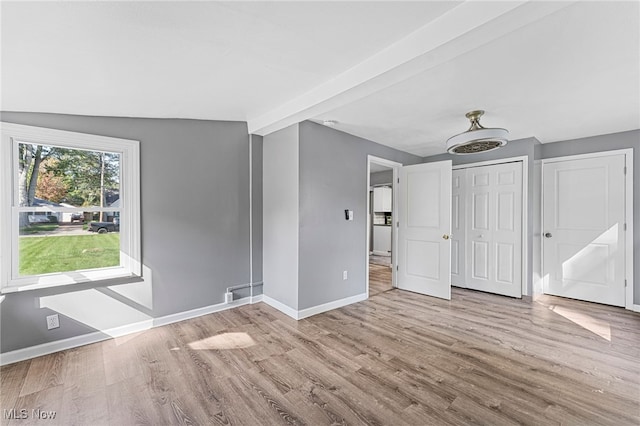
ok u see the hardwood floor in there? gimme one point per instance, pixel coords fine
(379, 279)
(398, 358)
(380, 260)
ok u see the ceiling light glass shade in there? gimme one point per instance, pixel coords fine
(477, 138)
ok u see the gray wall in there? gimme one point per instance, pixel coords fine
(600, 143)
(333, 177)
(195, 223)
(518, 148)
(256, 207)
(380, 178)
(280, 216)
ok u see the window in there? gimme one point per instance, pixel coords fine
(69, 208)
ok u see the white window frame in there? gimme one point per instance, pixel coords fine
(130, 257)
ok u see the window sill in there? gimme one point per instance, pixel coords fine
(68, 279)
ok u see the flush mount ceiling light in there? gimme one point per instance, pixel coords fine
(330, 123)
(477, 138)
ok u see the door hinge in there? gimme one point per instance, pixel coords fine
(398, 180)
(625, 170)
(625, 226)
(397, 267)
(398, 224)
(625, 282)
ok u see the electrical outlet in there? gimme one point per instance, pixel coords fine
(345, 275)
(53, 321)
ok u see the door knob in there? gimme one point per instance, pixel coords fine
(548, 235)
(445, 237)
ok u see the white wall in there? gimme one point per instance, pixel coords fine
(280, 191)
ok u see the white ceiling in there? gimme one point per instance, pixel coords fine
(399, 73)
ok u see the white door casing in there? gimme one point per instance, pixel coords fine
(424, 246)
(395, 167)
(583, 241)
(458, 228)
(494, 228)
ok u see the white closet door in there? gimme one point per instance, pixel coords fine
(458, 232)
(583, 229)
(494, 229)
(424, 246)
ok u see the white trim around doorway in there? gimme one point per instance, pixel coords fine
(394, 241)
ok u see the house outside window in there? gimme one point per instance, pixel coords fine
(70, 208)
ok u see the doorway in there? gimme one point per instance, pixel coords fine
(381, 203)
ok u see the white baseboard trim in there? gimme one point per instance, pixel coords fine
(181, 316)
(98, 336)
(51, 347)
(635, 308)
(314, 310)
(287, 310)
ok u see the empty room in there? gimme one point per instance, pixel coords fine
(319, 212)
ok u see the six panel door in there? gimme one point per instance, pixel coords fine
(458, 228)
(494, 228)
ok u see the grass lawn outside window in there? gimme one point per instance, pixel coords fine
(47, 254)
(40, 227)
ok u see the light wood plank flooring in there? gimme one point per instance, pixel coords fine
(398, 358)
(380, 260)
(379, 279)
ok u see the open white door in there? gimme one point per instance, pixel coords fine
(424, 216)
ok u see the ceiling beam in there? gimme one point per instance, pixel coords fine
(469, 25)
